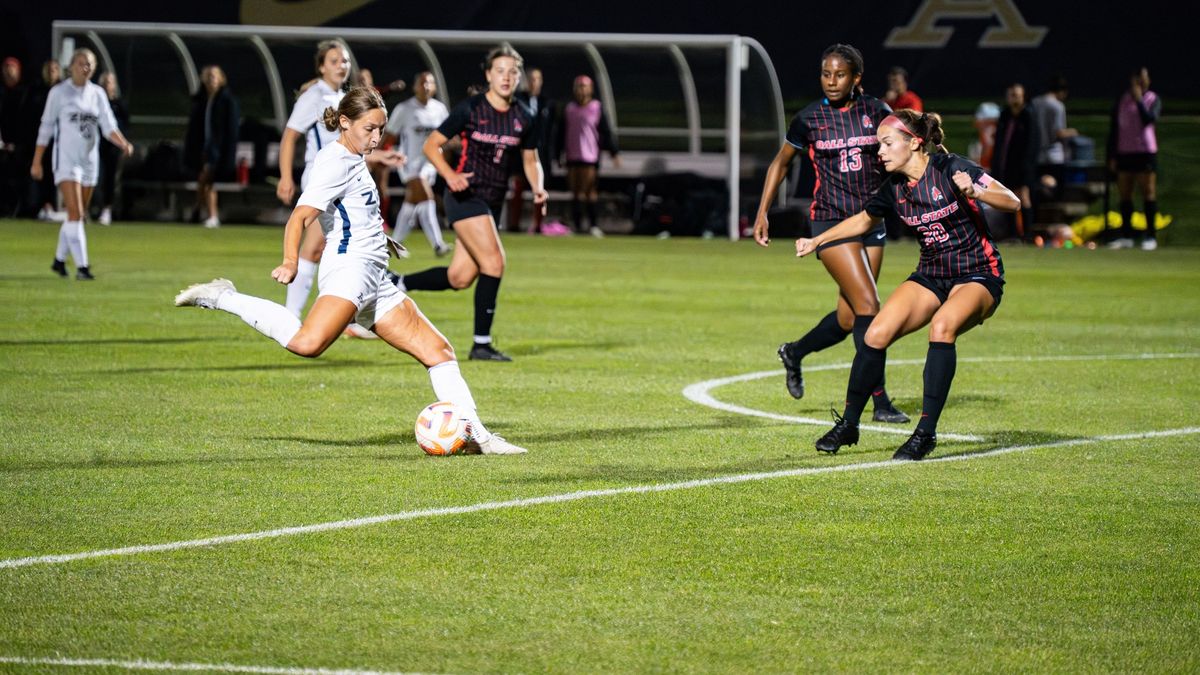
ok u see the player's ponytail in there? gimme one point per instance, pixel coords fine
(925, 126)
(356, 103)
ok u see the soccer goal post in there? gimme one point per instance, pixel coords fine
(704, 104)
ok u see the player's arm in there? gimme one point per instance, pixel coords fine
(45, 133)
(854, 226)
(302, 217)
(286, 189)
(433, 152)
(537, 180)
(775, 173)
(987, 190)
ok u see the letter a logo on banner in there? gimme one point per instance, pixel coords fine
(922, 32)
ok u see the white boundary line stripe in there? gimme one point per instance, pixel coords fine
(556, 499)
(700, 391)
(194, 667)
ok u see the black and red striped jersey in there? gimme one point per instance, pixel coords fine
(954, 236)
(842, 145)
(489, 138)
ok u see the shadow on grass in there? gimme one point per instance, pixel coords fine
(293, 365)
(113, 341)
(100, 462)
(993, 441)
(536, 348)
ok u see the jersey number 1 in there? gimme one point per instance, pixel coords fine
(499, 155)
(850, 160)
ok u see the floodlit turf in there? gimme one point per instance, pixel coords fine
(125, 421)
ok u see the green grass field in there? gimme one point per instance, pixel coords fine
(1065, 540)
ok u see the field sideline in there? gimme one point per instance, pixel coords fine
(227, 506)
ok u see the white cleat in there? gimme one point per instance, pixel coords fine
(204, 295)
(442, 250)
(1123, 242)
(106, 217)
(356, 331)
(496, 445)
(212, 223)
(1150, 245)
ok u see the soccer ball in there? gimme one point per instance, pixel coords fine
(442, 429)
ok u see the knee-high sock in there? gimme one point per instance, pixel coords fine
(432, 279)
(826, 333)
(878, 393)
(301, 286)
(591, 213)
(1150, 206)
(404, 221)
(940, 364)
(1126, 218)
(427, 216)
(486, 290)
(269, 318)
(865, 374)
(64, 246)
(577, 214)
(77, 242)
(449, 385)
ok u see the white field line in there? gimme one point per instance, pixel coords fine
(190, 667)
(558, 499)
(700, 392)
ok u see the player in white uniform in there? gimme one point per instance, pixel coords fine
(411, 122)
(77, 113)
(333, 67)
(342, 197)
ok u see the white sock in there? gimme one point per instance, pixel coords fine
(404, 221)
(301, 286)
(427, 216)
(77, 241)
(449, 385)
(269, 318)
(64, 248)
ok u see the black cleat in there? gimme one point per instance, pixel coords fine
(487, 352)
(890, 415)
(84, 274)
(795, 380)
(843, 432)
(917, 446)
(59, 267)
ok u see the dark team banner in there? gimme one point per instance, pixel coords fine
(951, 48)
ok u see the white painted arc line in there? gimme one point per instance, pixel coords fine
(555, 499)
(141, 664)
(700, 392)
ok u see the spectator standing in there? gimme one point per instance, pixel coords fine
(1133, 156)
(582, 134)
(210, 148)
(899, 96)
(111, 155)
(43, 191)
(1014, 160)
(544, 113)
(16, 144)
(1050, 116)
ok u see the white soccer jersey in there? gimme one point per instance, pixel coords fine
(343, 190)
(76, 117)
(412, 123)
(308, 118)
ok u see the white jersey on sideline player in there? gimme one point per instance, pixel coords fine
(412, 123)
(75, 117)
(306, 120)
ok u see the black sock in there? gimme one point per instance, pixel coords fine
(1026, 221)
(1126, 218)
(577, 215)
(865, 374)
(591, 214)
(432, 279)
(486, 289)
(1150, 206)
(826, 333)
(878, 393)
(940, 364)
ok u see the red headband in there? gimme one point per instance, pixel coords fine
(896, 123)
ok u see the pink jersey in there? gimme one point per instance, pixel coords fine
(1133, 134)
(582, 131)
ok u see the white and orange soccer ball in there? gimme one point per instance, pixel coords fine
(442, 429)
